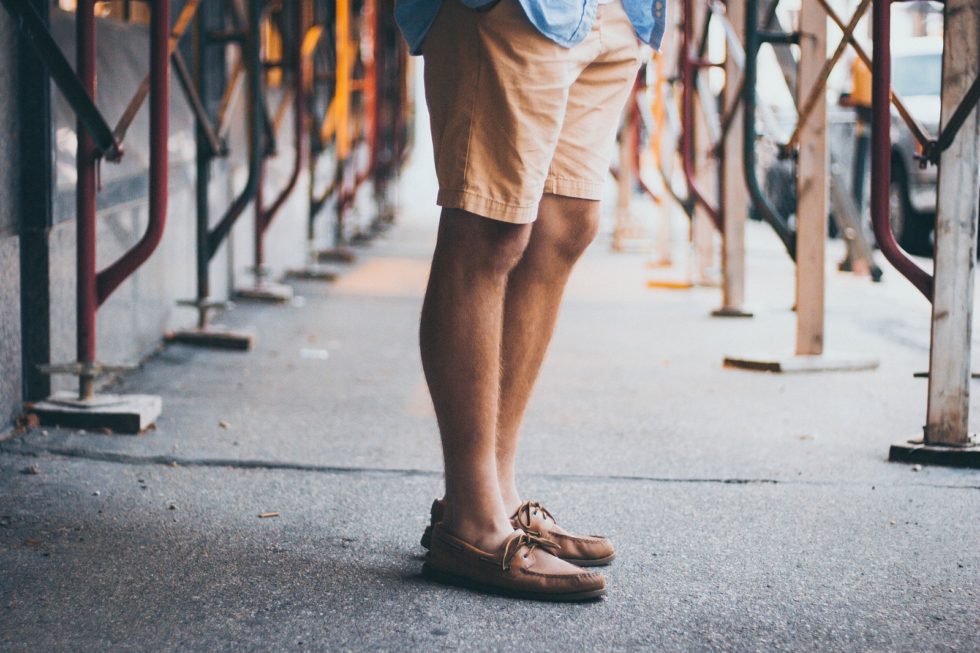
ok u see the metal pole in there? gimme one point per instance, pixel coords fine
(203, 170)
(85, 164)
(917, 130)
(265, 216)
(257, 253)
(881, 159)
(342, 91)
(74, 90)
(759, 199)
(110, 278)
(251, 55)
(687, 144)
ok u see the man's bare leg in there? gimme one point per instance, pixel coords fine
(460, 339)
(564, 228)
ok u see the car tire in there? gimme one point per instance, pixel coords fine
(780, 188)
(910, 227)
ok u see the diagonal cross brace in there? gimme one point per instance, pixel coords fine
(33, 27)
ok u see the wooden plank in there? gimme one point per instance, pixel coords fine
(947, 419)
(831, 362)
(811, 188)
(734, 196)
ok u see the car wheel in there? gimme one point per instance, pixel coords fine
(911, 229)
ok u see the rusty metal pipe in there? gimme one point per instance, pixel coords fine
(688, 65)
(74, 90)
(265, 216)
(86, 160)
(251, 55)
(184, 20)
(881, 152)
(759, 199)
(962, 112)
(186, 81)
(110, 278)
(316, 200)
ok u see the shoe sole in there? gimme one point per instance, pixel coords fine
(591, 562)
(426, 543)
(447, 578)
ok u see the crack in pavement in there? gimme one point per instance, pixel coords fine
(78, 453)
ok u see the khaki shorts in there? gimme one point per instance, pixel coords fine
(515, 115)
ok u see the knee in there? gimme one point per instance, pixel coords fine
(482, 245)
(575, 229)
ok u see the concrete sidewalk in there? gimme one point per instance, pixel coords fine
(751, 511)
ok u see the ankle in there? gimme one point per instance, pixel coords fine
(488, 535)
(512, 499)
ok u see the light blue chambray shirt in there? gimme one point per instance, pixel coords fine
(566, 22)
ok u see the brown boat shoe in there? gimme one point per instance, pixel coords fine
(534, 519)
(524, 567)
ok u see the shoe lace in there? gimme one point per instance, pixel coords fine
(515, 544)
(529, 508)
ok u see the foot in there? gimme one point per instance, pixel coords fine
(525, 566)
(533, 518)
(582, 550)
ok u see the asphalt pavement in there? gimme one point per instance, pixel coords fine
(279, 501)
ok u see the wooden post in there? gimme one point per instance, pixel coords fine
(703, 227)
(734, 196)
(811, 188)
(947, 422)
(811, 220)
(625, 181)
(706, 173)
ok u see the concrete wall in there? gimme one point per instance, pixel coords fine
(132, 322)
(10, 328)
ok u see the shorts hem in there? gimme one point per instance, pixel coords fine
(577, 188)
(486, 207)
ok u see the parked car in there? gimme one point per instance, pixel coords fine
(916, 78)
(917, 65)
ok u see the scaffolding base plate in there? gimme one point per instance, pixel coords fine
(213, 337)
(313, 273)
(916, 451)
(731, 312)
(337, 255)
(129, 414)
(792, 364)
(272, 293)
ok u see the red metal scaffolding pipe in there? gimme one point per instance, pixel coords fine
(93, 288)
(86, 160)
(881, 152)
(370, 104)
(635, 122)
(688, 64)
(110, 278)
(369, 91)
(264, 217)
